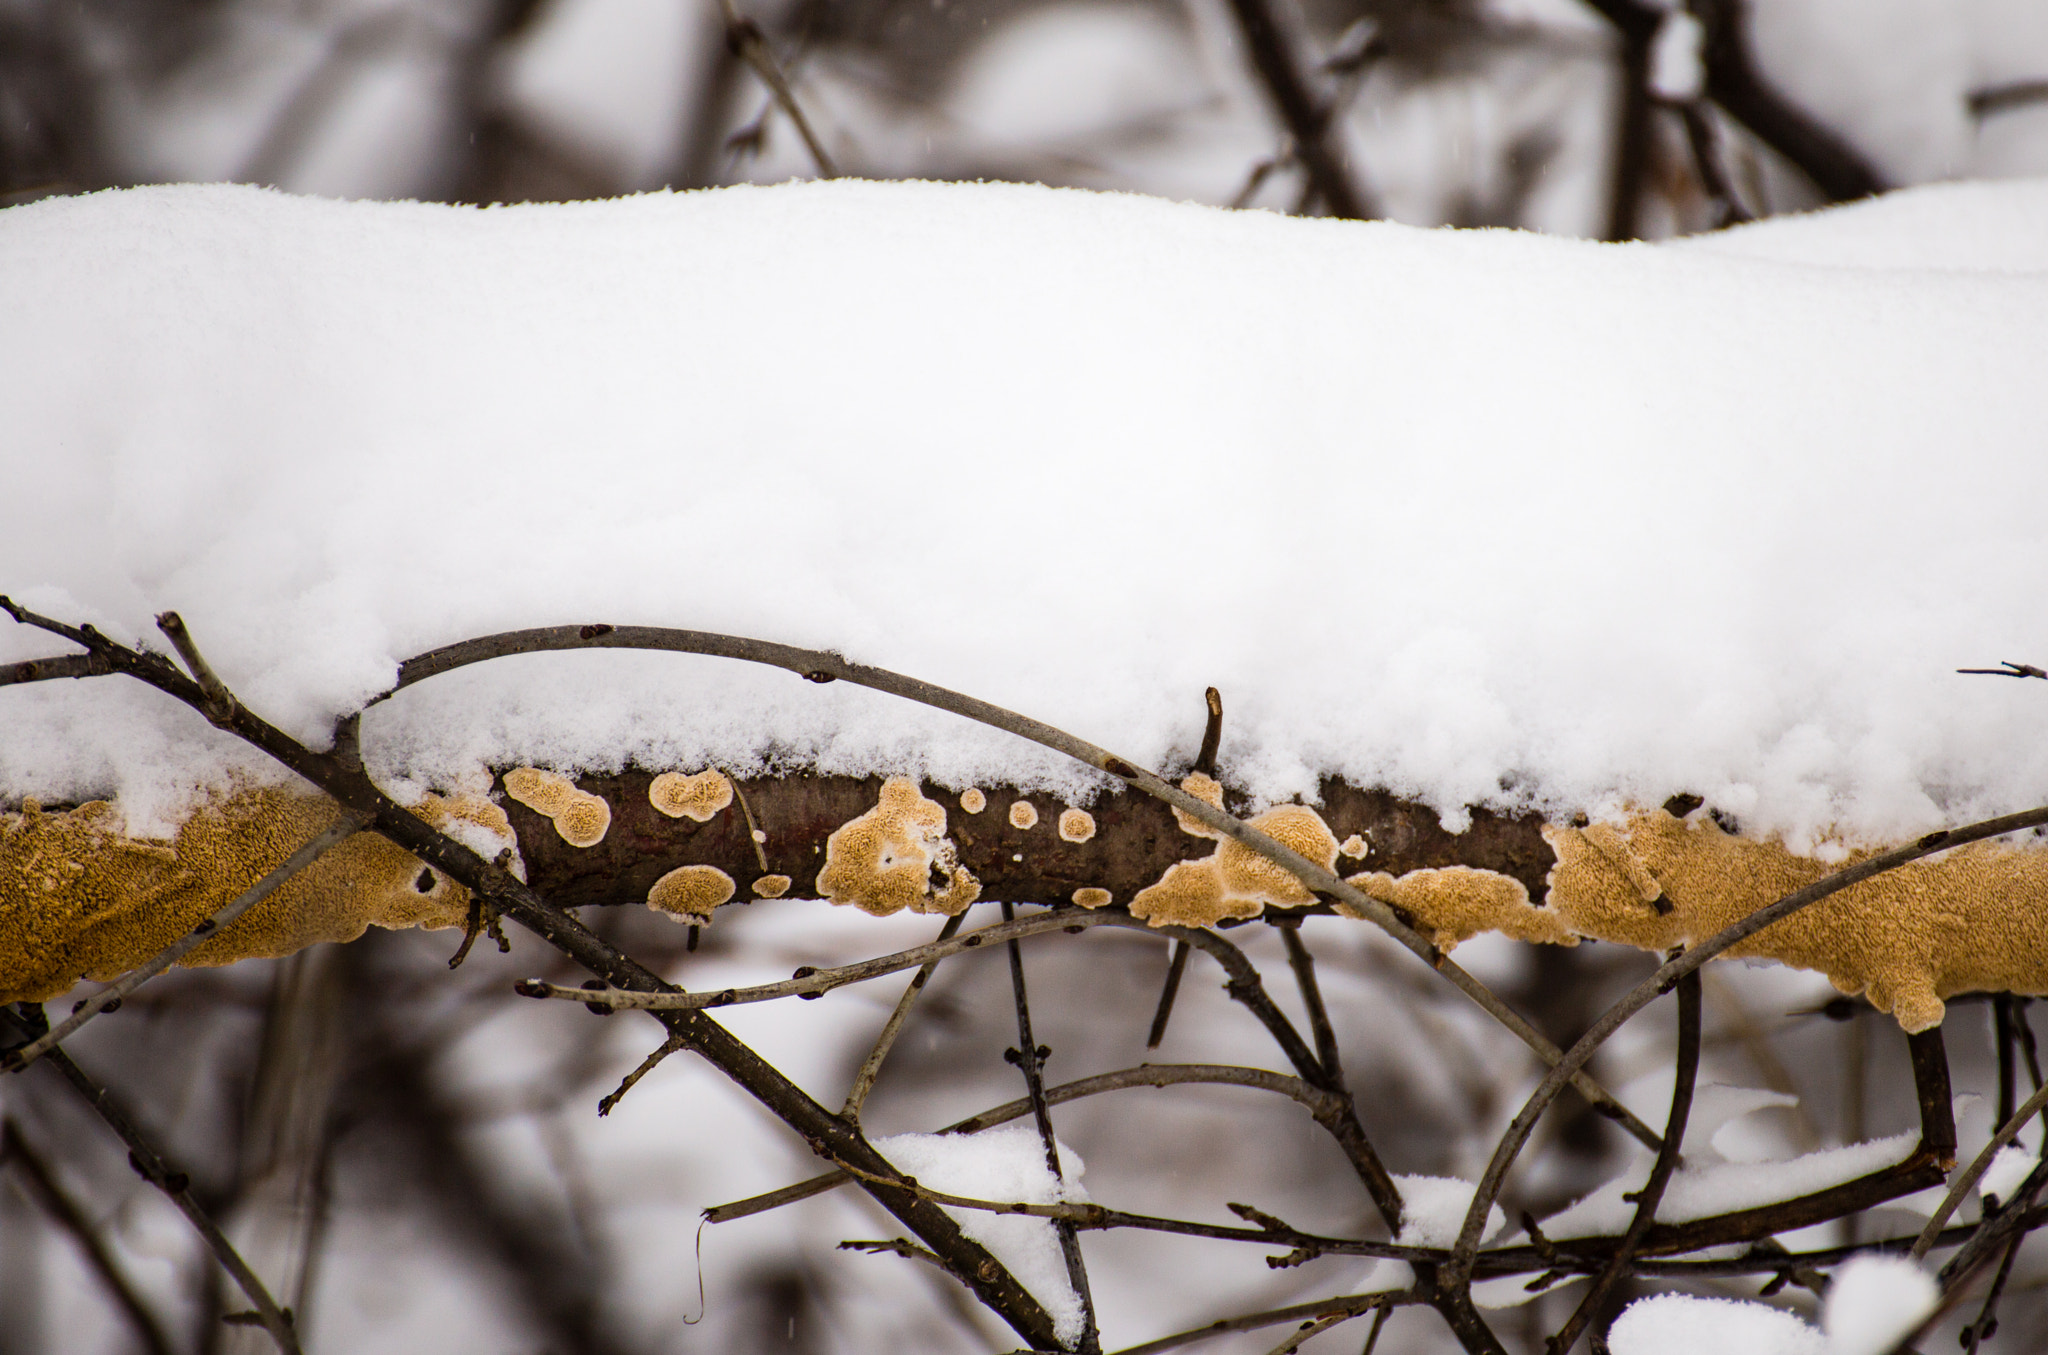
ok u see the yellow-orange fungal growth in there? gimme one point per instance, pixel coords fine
(81, 900)
(584, 821)
(1090, 897)
(1076, 825)
(886, 860)
(581, 818)
(696, 797)
(972, 800)
(1451, 904)
(1023, 814)
(1234, 881)
(1247, 874)
(690, 893)
(1355, 847)
(1206, 789)
(771, 886)
(1971, 920)
(546, 793)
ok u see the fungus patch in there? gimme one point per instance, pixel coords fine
(1089, 896)
(972, 800)
(1209, 791)
(1024, 815)
(1354, 847)
(1234, 881)
(688, 894)
(581, 818)
(1076, 825)
(1455, 903)
(1971, 920)
(771, 886)
(81, 900)
(696, 797)
(897, 856)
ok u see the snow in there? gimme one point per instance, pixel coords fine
(1008, 1165)
(2007, 1170)
(1483, 517)
(1872, 1303)
(1875, 1302)
(1701, 1190)
(1679, 1324)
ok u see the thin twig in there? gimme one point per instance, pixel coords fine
(748, 43)
(1304, 966)
(1168, 990)
(153, 1168)
(220, 704)
(824, 666)
(1029, 1056)
(871, 1066)
(2011, 669)
(1306, 117)
(1959, 1189)
(1145, 1075)
(1652, 1194)
(1351, 1304)
(315, 847)
(1666, 978)
(632, 1079)
(72, 1218)
(47, 670)
(818, 981)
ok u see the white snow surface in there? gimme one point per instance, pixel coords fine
(2013, 1165)
(1007, 1165)
(1876, 1301)
(1679, 1324)
(1701, 1190)
(1484, 517)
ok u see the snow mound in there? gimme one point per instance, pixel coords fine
(1483, 517)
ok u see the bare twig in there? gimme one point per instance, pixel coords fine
(72, 1218)
(1304, 966)
(1145, 1075)
(111, 995)
(1346, 1304)
(750, 45)
(632, 1079)
(816, 981)
(151, 1165)
(1965, 1181)
(1168, 990)
(2010, 669)
(1307, 118)
(1667, 977)
(1732, 81)
(871, 1066)
(1029, 1056)
(2005, 98)
(47, 670)
(1652, 1194)
(220, 705)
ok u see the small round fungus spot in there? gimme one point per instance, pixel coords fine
(543, 792)
(1076, 825)
(1091, 897)
(972, 800)
(584, 821)
(1023, 814)
(1355, 847)
(771, 886)
(688, 893)
(695, 797)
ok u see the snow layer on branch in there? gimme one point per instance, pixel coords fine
(1872, 1304)
(1484, 517)
(1008, 1166)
